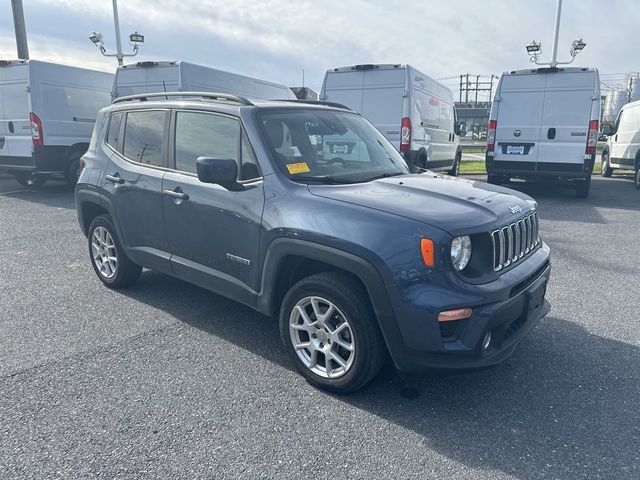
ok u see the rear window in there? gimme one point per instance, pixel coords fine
(144, 137)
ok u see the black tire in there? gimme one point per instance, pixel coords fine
(455, 170)
(350, 299)
(493, 179)
(27, 179)
(582, 187)
(605, 169)
(636, 179)
(126, 272)
(72, 172)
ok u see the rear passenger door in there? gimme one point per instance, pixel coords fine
(132, 183)
(214, 233)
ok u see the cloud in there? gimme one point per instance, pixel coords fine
(276, 39)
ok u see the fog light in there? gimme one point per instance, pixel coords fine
(458, 314)
(486, 341)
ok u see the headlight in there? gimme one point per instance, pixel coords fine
(460, 252)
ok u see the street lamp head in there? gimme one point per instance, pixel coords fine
(577, 46)
(534, 48)
(96, 38)
(136, 39)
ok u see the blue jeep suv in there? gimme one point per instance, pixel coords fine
(304, 210)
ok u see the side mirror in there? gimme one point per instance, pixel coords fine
(461, 129)
(607, 129)
(222, 171)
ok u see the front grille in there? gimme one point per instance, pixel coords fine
(515, 241)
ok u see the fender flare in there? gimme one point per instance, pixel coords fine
(365, 271)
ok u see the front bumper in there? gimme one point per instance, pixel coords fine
(509, 309)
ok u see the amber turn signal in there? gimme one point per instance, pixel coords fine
(458, 314)
(428, 252)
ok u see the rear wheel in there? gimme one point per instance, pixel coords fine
(455, 170)
(72, 172)
(329, 330)
(109, 261)
(582, 187)
(494, 179)
(28, 179)
(605, 168)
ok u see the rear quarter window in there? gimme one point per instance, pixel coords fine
(144, 136)
(113, 134)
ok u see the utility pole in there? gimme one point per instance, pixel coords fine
(20, 29)
(554, 54)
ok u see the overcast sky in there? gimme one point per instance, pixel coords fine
(277, 39)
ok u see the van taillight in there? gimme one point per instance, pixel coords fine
(592, 139)
(405, 135)
(491, 136)
(36, 129)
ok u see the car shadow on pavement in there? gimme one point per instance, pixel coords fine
(564, 406)
(53, 194)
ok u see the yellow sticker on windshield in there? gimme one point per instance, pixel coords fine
(301, 167)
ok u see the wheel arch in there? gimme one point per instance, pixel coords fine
(289, 260)
(89, 205)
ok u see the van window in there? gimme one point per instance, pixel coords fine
(204, 135)
(144, 137)
(113, 136)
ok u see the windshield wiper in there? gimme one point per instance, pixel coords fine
(326, 179)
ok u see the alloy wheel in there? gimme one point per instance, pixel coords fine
(322, 337)
(104, 253)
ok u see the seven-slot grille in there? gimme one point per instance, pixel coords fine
(515, 241)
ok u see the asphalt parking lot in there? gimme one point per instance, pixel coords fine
(166, 380)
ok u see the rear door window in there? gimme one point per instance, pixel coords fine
(144, 135)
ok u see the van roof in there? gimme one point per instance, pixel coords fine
(530, 71)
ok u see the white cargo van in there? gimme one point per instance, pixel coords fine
(623, 145)
(153, 77)
(47, 112)
(413, 111)
(544, 126)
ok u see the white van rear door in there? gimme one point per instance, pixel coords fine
(518, 118)
(344, 88)
(382, 101)
(565, 117)
(15, 127)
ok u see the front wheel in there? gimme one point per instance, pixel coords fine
(109, 261)
(637, 177)
(329, 330)
(605, 167)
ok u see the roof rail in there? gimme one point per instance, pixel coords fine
(143, 97)
(315, 102)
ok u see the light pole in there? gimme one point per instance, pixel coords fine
(20, 29)
(135, 39)
(534, 49)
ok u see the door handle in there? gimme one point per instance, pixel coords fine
(177, 193)
(115, 178)
(551, 133)
(615, 139)
(11, 129)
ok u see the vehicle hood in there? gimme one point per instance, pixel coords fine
(453, 204)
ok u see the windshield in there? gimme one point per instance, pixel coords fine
(312, 145)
